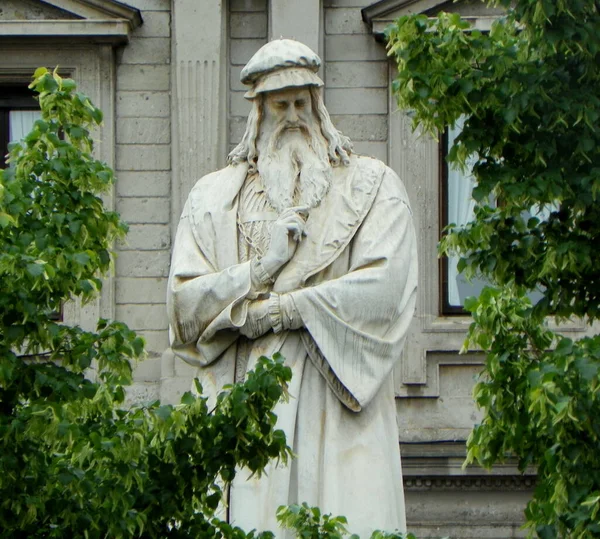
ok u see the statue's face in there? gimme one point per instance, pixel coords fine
(288, 109)
(292, 152)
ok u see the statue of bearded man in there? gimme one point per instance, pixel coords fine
(301, 247)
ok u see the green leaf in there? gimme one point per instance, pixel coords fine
(187, 398)
(35, 269)
(81, 258)
(6, 219)
(39, 72)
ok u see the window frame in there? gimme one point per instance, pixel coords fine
(445, 307)
(13, 96)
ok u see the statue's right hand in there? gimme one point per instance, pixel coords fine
(286, 233)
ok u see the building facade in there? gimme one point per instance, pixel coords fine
(166, 75)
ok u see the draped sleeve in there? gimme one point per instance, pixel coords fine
(358, 321)
(208, 286)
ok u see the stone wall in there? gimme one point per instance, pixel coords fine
(356, 78)
(248, 22)
(143, 165)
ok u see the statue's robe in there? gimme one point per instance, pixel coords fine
(353, 281)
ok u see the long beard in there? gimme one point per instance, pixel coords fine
(294, 168)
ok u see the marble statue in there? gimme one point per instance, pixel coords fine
(301, 247)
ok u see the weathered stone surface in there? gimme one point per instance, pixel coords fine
(131, 104)
(248, 25)
(296, 20)
(379, 150)
(143, 131)
(366, 127)
(235, 83)
(345, 21)
(353, 48)
(142, 393)
(150, 50)
(147, 237)
(144, 210)
(171, 389)
(150, 316)
(184, 370)
(356, 75)
(147, 370)
(140, 156)
(143, 264)
(469, 9)
(468, 514)
(27, 10)
(451, 416)
(357, 101)
(247, 5)
(156, 24)
(157, 341)
(150, 5)
(143, 77)
(143, 184)
(241, 50)
(141, 290)
(238, 104)
(347, 3)
(237, 126)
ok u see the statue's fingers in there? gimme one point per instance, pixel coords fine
(293, 220)
(296, 231)
(301, 210)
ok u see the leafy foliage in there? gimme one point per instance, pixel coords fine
(72, 462)
(529, 93)
(309, 523)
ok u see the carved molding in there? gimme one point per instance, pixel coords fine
(509, 483)
(100, 9)
(110, 31)
(383, 13)
(98, 21)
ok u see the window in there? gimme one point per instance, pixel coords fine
(457, 206)
(18, 112)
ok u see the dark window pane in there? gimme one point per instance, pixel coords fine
(457, 207)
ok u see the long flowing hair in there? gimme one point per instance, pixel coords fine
(339, 146)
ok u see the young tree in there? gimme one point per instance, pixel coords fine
(529, 93)
(72, 463)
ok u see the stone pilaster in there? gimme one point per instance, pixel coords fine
(199, 94)
(297, 20)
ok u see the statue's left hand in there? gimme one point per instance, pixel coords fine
(258, 321)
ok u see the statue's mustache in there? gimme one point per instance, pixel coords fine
(276, 138)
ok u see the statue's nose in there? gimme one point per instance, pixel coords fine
(292, 115)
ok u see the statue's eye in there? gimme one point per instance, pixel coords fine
(281, 105)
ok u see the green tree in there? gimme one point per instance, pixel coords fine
(73, 462)
(529, 90)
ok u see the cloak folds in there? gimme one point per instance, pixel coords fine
(353, 281)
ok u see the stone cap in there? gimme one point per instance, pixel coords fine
(282, 63)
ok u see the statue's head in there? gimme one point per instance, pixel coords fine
(289, 134)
